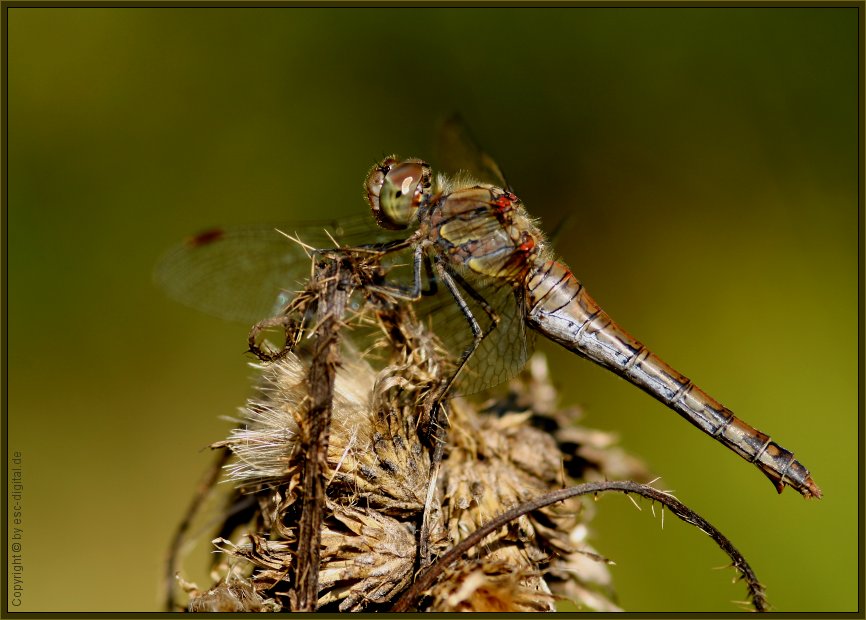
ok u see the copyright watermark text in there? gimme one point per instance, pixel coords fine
(16, 530)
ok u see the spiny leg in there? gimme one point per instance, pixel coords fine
(411, 294)
(292, 332)
(438, 426)
(377, 251)
(293, 329)
(432, 287)
(452, 279)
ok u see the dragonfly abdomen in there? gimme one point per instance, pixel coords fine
(560, 308)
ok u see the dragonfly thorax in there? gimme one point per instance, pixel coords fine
(396, 190)
(484, 228)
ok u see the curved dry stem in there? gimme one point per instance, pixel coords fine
(683, 512)
(205, 486)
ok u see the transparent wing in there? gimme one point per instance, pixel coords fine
(507, 346)
(458, 151)
(248, 274)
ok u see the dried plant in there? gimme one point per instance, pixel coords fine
(384, 505)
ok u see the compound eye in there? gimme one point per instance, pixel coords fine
(396, 189)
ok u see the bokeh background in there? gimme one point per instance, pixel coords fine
(706, 159)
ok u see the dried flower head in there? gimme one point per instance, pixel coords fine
(498, 454)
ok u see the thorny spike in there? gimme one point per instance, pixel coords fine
(308, 249)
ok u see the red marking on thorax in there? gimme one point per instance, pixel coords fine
(528, 244)
(505, 201)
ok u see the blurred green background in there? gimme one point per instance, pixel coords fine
(707, 158)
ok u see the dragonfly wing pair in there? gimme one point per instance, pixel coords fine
(249, 274)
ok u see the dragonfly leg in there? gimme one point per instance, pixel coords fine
(292, 332)
(454, 282)
(408, 294)
(432, 287)
(488, 309)
(373, 248)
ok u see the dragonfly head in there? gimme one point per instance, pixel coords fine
(396, 189)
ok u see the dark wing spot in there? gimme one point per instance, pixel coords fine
(206, 237)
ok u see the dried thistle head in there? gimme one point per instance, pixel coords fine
(497, 455)
(489, 585)
(234, 593)
(505, 454)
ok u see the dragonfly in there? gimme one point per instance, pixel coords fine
(473, 235)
